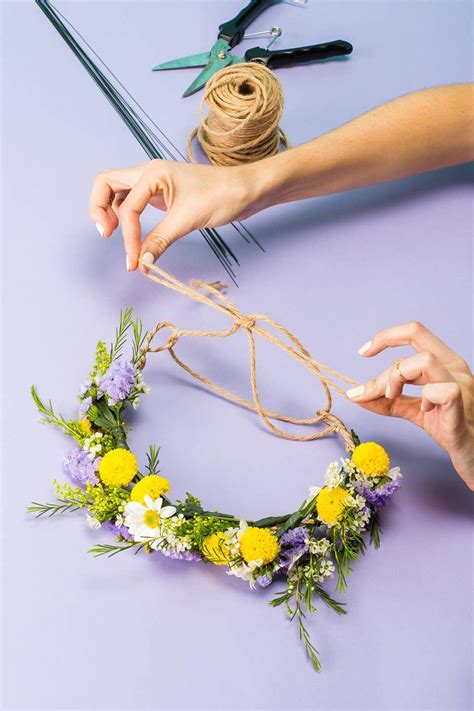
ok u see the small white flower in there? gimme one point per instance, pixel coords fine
(312, 494)
(93, 522)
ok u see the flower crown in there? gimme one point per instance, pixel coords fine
(303, 549)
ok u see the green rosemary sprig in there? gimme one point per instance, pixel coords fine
(110, 550)
(125, 323)
(50, 417)
(153, 459)
(62, 506)
(375, 529)
(139, 336)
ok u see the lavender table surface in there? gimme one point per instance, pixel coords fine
(152, 633)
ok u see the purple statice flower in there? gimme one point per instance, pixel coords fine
(181, 555)
(111, 526)
(84, 407)
(264, 580)
(117, 382)
(84, 387)
(293, 546)
(80, 466)
(379, 496)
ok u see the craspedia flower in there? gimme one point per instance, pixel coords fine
(330, 504)
(153, 485)
(371, 458)
(118, 467)
(258, 544)
(215, 548)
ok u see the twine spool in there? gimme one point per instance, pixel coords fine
(245, 103)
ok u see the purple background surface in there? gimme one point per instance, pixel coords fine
(152, 633)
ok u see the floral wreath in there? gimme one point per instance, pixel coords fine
(304, 548)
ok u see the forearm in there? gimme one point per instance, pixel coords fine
(418, 132)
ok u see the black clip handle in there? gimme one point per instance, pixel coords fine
(234, 30)
(298, 55)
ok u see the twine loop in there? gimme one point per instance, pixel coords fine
(212, 296)
(244, 105)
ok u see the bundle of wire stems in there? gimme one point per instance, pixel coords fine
(151, 138)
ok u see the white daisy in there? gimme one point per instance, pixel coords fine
(144, 521)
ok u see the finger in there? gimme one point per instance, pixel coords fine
(419, 369)
(405, 406)
(447, 396)
(414, 334)
(118, 200)
(160, 238)
(130, 211)
(104, 188)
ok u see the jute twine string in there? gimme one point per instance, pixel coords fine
(244, 105)
(251, 326)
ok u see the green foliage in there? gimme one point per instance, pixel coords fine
(110, 550)
(199, 527)
(106, 501)
(125, 323)
(375, 529)
(50, 417)
(102, 361)
(153, 459)
(139, 336)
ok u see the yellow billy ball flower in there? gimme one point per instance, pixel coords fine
(371, 459)
(258, 544)
(84, 425)
(153, 485)
(215, 548)
(330, 504)
(118, 467)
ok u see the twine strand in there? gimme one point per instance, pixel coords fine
(202, 292)
(244, 104)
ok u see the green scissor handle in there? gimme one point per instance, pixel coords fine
(234, 30)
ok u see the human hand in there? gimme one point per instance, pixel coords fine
(193, 196)
(445, 408)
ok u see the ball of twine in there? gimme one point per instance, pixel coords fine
(245, 103)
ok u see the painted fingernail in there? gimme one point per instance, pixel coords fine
(127, 263)
(388, 391)
(363, 349)
(100, 229)
(355, 392)
(148, 258)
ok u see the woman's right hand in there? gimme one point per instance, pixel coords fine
(445, 407)
(193, 196)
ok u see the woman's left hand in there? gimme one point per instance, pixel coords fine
(445, 407)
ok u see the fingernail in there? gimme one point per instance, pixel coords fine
(388, 391)
(424, 406)
(127, 262)
(355, 392)
(148, 258)
(100, 229)
(363, 349)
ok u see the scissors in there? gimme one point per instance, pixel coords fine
(232, 32)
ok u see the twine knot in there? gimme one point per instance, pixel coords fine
(249, 324)
(245, 104)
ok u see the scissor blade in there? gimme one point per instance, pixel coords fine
(193, 60)
(219, 57)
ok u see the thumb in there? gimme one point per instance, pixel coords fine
(160, 238)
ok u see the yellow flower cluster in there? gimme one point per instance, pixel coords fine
(330, 504)
(371, 458)
(215, 548)
(84, 425)
(258, 544)
(152, 485)
(118, 467)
